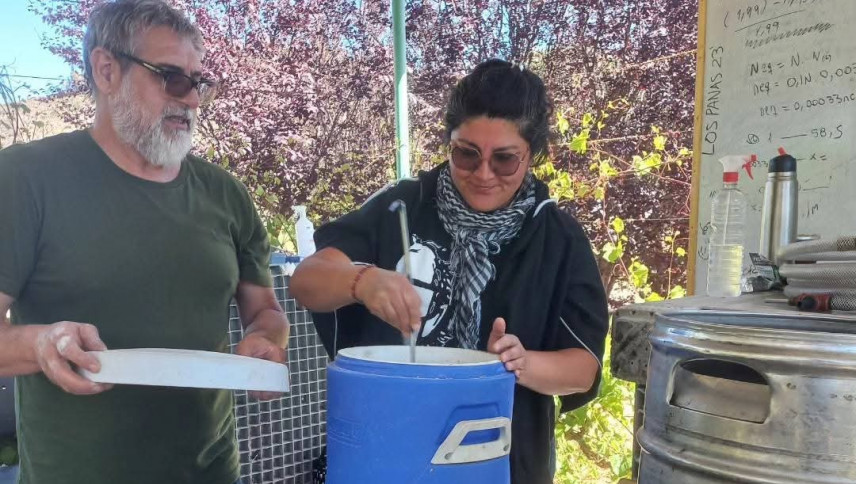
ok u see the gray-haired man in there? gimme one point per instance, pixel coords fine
(115, 237)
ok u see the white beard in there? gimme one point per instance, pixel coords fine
(158, 144)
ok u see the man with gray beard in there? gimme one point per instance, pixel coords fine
(114, 237)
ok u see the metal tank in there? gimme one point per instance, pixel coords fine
(750, 398)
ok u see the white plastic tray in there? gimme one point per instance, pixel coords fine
(188, 368)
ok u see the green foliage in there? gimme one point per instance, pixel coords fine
(612, 252)
(281, 232)
(609, 169)
(639, 273)
(587, 120)
(594, 443)
(8, 452)
(563, 186)
(677, 292)
(18, 123)
(562, 124)
(579, 144)
(647, 163)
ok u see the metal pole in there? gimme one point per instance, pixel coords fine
(402, 126)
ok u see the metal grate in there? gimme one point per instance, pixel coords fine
(278, 440)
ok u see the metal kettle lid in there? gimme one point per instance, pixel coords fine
(782, 163)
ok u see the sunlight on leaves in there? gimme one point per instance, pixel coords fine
(562, 124)
(588, 119)
(677, 292)
(638, 274)
(612, 252)
(607, 170)
(579, 144)
(647, 164)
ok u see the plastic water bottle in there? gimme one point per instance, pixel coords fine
(728, 223)
(304, 229)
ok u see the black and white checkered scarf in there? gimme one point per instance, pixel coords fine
(475, 237)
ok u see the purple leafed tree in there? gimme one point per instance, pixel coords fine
(305, 112)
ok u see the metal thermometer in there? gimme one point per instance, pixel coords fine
(401, 208)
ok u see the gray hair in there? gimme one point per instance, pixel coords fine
(118, 25)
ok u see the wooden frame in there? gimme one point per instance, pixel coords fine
(701, 57)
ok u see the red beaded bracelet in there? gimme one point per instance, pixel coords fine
(356, 280)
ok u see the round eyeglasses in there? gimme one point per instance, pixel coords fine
(502, 163)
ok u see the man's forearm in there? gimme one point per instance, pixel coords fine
(17, 354)
(272, 324)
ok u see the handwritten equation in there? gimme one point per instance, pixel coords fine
(779, 73)
(750, 14)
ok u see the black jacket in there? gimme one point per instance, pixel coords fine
(547, 287)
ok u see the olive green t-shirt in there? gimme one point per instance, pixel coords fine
(151, 265)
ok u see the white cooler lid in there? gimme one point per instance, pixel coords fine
(188, 368)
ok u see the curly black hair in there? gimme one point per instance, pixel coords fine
(500, 89)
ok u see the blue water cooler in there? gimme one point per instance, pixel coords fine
(444, 419)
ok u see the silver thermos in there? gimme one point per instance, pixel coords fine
(779, 216)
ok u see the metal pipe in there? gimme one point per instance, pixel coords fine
(834, 274)
(402, 125)
(401, 208)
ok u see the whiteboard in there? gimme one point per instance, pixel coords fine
(776, 73)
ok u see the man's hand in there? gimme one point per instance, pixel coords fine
(62, 344)
(390, 296)
(255, 345)
(508, 347)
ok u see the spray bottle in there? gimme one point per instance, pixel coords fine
(305, 232)
(728, 228)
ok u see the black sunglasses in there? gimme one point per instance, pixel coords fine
(502, 163)
(176, 83)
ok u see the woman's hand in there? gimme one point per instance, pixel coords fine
(559, 372)
(391, 297)
(509, 348)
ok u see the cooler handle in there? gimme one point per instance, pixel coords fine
(452, 452)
